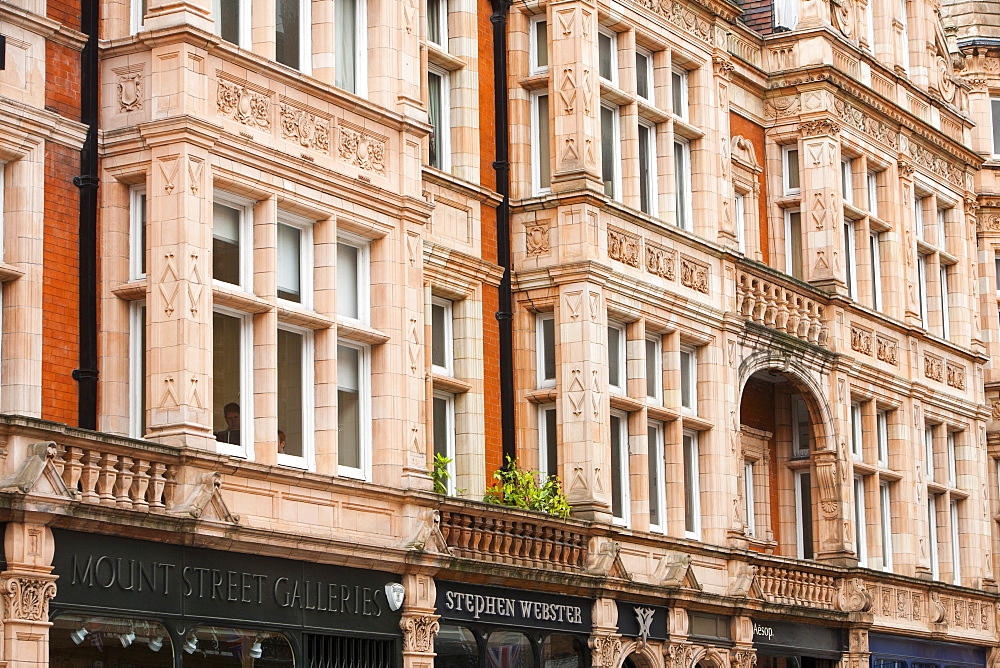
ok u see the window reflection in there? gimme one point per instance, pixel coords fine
(83, 640)
(509, 649)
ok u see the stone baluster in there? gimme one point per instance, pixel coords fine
(140, 483)
(123, 486)
(157, 482)
(106, 479)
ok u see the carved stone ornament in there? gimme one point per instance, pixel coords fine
(660, 261)
(782, 107)
(419, 632)
(623, 247)
(681, 16)
(989, 222)
(361, 149)
(854, 596)
(743, 658)
(305, 128)
(955, 375)
(744, 153)
(605, 650)
(28, 599)
(644, 618)
(694, 274)
(861, 340)
(843, 14)
(130, 91)
(537, 238)
(679, 655)
(938, 614)
(934, 368)
(823, 126)
(996, 410)
(906, 168)
(887, 350)
(244, 104)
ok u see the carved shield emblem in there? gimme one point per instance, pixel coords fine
(395, 592)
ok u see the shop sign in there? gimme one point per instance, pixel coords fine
(648, 622)
(512, 607)
(797, 639)
(110, 573)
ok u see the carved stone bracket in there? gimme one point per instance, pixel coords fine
(27, 598)
(419, 632)
(605, 650)
(678, 655)
(204, 500)
(854, 596)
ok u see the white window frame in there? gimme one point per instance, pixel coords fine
(622, 474)
(740, 221)
(786, 170)
(450, 445)
(860, 522)
(802, 514)
(684, 194)
(918, 216)
(364, 414)
(442, 23)
(245, 208)
(691, 453)
(305, 36)
(847, 180)
(932, 536)
(541, 354)
(952, 459)
(857, 432)
(749, 498)
(650, 170)
(956, 547)
(616, 153)
(449, 336)
(363, 247)
(534, 48)
(688, 363)
(361, 48)
(308, 458)
(545, 467)
(679, 75)
(872, 181)
(904, 36)
(882, 437)
(622, 379)
(138, 210)
(613, 36)
(790, 255)
(245, 26)
(536, 145)
(929, 451)
(137, 17)
(444, 135)
(654, 365)
(885, 503)
(246, 447)
(648, 55)
(850, 259)
(922, 289)
(305, 228)
(875, 255)
(656, 466)
(944, 284)
(136, 367)
(942, 226)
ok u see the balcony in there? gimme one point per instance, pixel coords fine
(774, 301)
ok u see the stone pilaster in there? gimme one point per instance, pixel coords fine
(822, 224)
(419, 623)
(605, 641)
(27, 586)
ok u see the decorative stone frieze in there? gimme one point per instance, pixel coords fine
(887, 350)
(306, 127)
(871, 126)
(244, 103)
(934, 368)
(955, 375)
(936, 163)
(360, 148)
(861, 340)
(623, 247)
(819, 127)
(694, 274)
(661, 261)
(682, 17)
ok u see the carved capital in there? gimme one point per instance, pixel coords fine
(823, 126)
(605, 650)
(744, 658)
(419, 632)
(27, 598)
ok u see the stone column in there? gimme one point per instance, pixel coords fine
(742, 654)
(419, 623)
(575, 103)
(857, 654)
(821, 209)
(718, 181)
(27, 587)
(605, 641)
(583, 403)
(908, 222)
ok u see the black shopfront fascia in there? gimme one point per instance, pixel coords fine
(797, 639)
(486, 610)
(184, 587)
(890, 651)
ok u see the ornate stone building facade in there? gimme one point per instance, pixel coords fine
(726, 270)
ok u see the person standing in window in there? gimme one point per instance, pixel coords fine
(231, 413)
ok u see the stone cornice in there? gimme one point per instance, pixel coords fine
(24, 126)
(42, 25)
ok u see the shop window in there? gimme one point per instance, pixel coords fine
(539, 47)
(548, 445)
(509, 649)
(232, 21)
(231, 246)
(351, 45)
(295, 404)
(83, 640)
(138, 219)
(231, 381)
(541, 153)
(562, 651)
(456, 647)
(215, 646)
(620, 496)
(545, 329)
(292, 32)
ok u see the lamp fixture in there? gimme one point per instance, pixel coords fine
(191, 643)
(78, 635)
(127, 638)
(156, 644)
(256, 651)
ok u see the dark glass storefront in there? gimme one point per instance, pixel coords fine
(889, 651)
(122, 601)
(491, 627)
(796, 645)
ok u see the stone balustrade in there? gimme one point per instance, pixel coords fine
(790, 586)
(770, 302)
(121, 477)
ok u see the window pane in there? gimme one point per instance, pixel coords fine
(440, 335)
(226, 363)
(687, 379)
(605, 46)
(794, 246)
(548, 348)
(229, 20)
(290, 393)
(541, 44)
(678, 92)
(805, 508)
(608, 150)
(435, 104)
(86, 640)
(652, 368)
(996, 125)
(544, 152)
(456, 646)
(226, 243)
(682, 181)
(287, 32)
(691, 483)
(442, 427)
(792, 168)
(617, 492)
(562, 651)
(654, 448)
(289, 263)
(642, 75)
(346, 22)
(509, 649)
(551, 444)
(434, 16)
(142, 233)
(348, 407)
(645, 169)
(348, 261)
(614, 355)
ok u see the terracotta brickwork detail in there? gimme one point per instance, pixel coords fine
(694, 274)
(623, 247)
(955, 375)
(661, 261)
(361, 148)
(306, 127)
(934, 367)
(245, 104)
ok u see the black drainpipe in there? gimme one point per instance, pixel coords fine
(502, 166)
(86, 375)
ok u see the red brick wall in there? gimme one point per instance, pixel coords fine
(62, 89)
(738, 125)
(60, 326)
